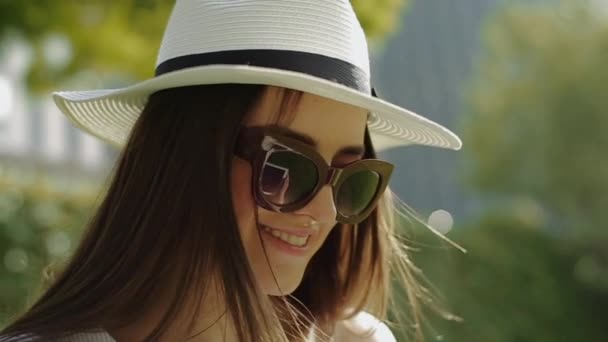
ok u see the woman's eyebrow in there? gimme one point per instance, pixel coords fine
(353, 150)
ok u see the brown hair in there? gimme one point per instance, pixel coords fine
(167, 222)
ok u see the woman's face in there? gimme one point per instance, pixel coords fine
(332, 125)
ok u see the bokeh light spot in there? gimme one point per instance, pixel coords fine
(441, 220)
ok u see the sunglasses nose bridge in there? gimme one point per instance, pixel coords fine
(332, 176)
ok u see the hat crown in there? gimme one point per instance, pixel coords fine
(322, 27)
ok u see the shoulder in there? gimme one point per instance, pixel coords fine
(363, 327)
(87, 336)
(19, 338)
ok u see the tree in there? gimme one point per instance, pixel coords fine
(124, 35)
(537, 124)
(38, 229)
(517, 283)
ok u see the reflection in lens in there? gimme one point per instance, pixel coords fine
(287, 177)
(274, 178)
(357, 191)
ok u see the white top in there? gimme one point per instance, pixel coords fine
(346, 331)
(90, 336)
(94, 336)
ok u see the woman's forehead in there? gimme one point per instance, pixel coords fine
(331, 123)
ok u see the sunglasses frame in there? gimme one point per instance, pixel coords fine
(255, 143)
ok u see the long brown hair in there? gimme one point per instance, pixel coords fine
(167, 221)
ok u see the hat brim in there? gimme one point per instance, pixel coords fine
(109, 114)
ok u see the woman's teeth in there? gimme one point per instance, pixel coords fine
(298, 241)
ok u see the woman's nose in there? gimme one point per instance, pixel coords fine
(322, 207)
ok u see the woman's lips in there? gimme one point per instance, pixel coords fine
(285, 247)
(301, 232)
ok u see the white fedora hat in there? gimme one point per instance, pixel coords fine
(315, 46)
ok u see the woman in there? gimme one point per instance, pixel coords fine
(247, 203)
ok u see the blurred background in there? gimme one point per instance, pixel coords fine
(524, 83)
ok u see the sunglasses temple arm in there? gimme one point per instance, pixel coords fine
(374, 94)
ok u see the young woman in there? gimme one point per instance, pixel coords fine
(247, 203)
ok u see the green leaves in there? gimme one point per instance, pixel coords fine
(38, 229)
(537, 124)
(379, 18)
(517, 283)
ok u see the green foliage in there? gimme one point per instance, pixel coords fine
(104, 36)
(538, 126)
(123, 37)
(535, 136)
(39, 227)
(517, 283)
(379, 18)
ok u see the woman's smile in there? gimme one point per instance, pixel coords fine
(301, 242)
(286, 243)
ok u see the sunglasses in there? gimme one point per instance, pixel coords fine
(288, 173)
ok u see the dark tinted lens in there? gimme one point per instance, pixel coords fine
(288, 177)
(356, 192)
